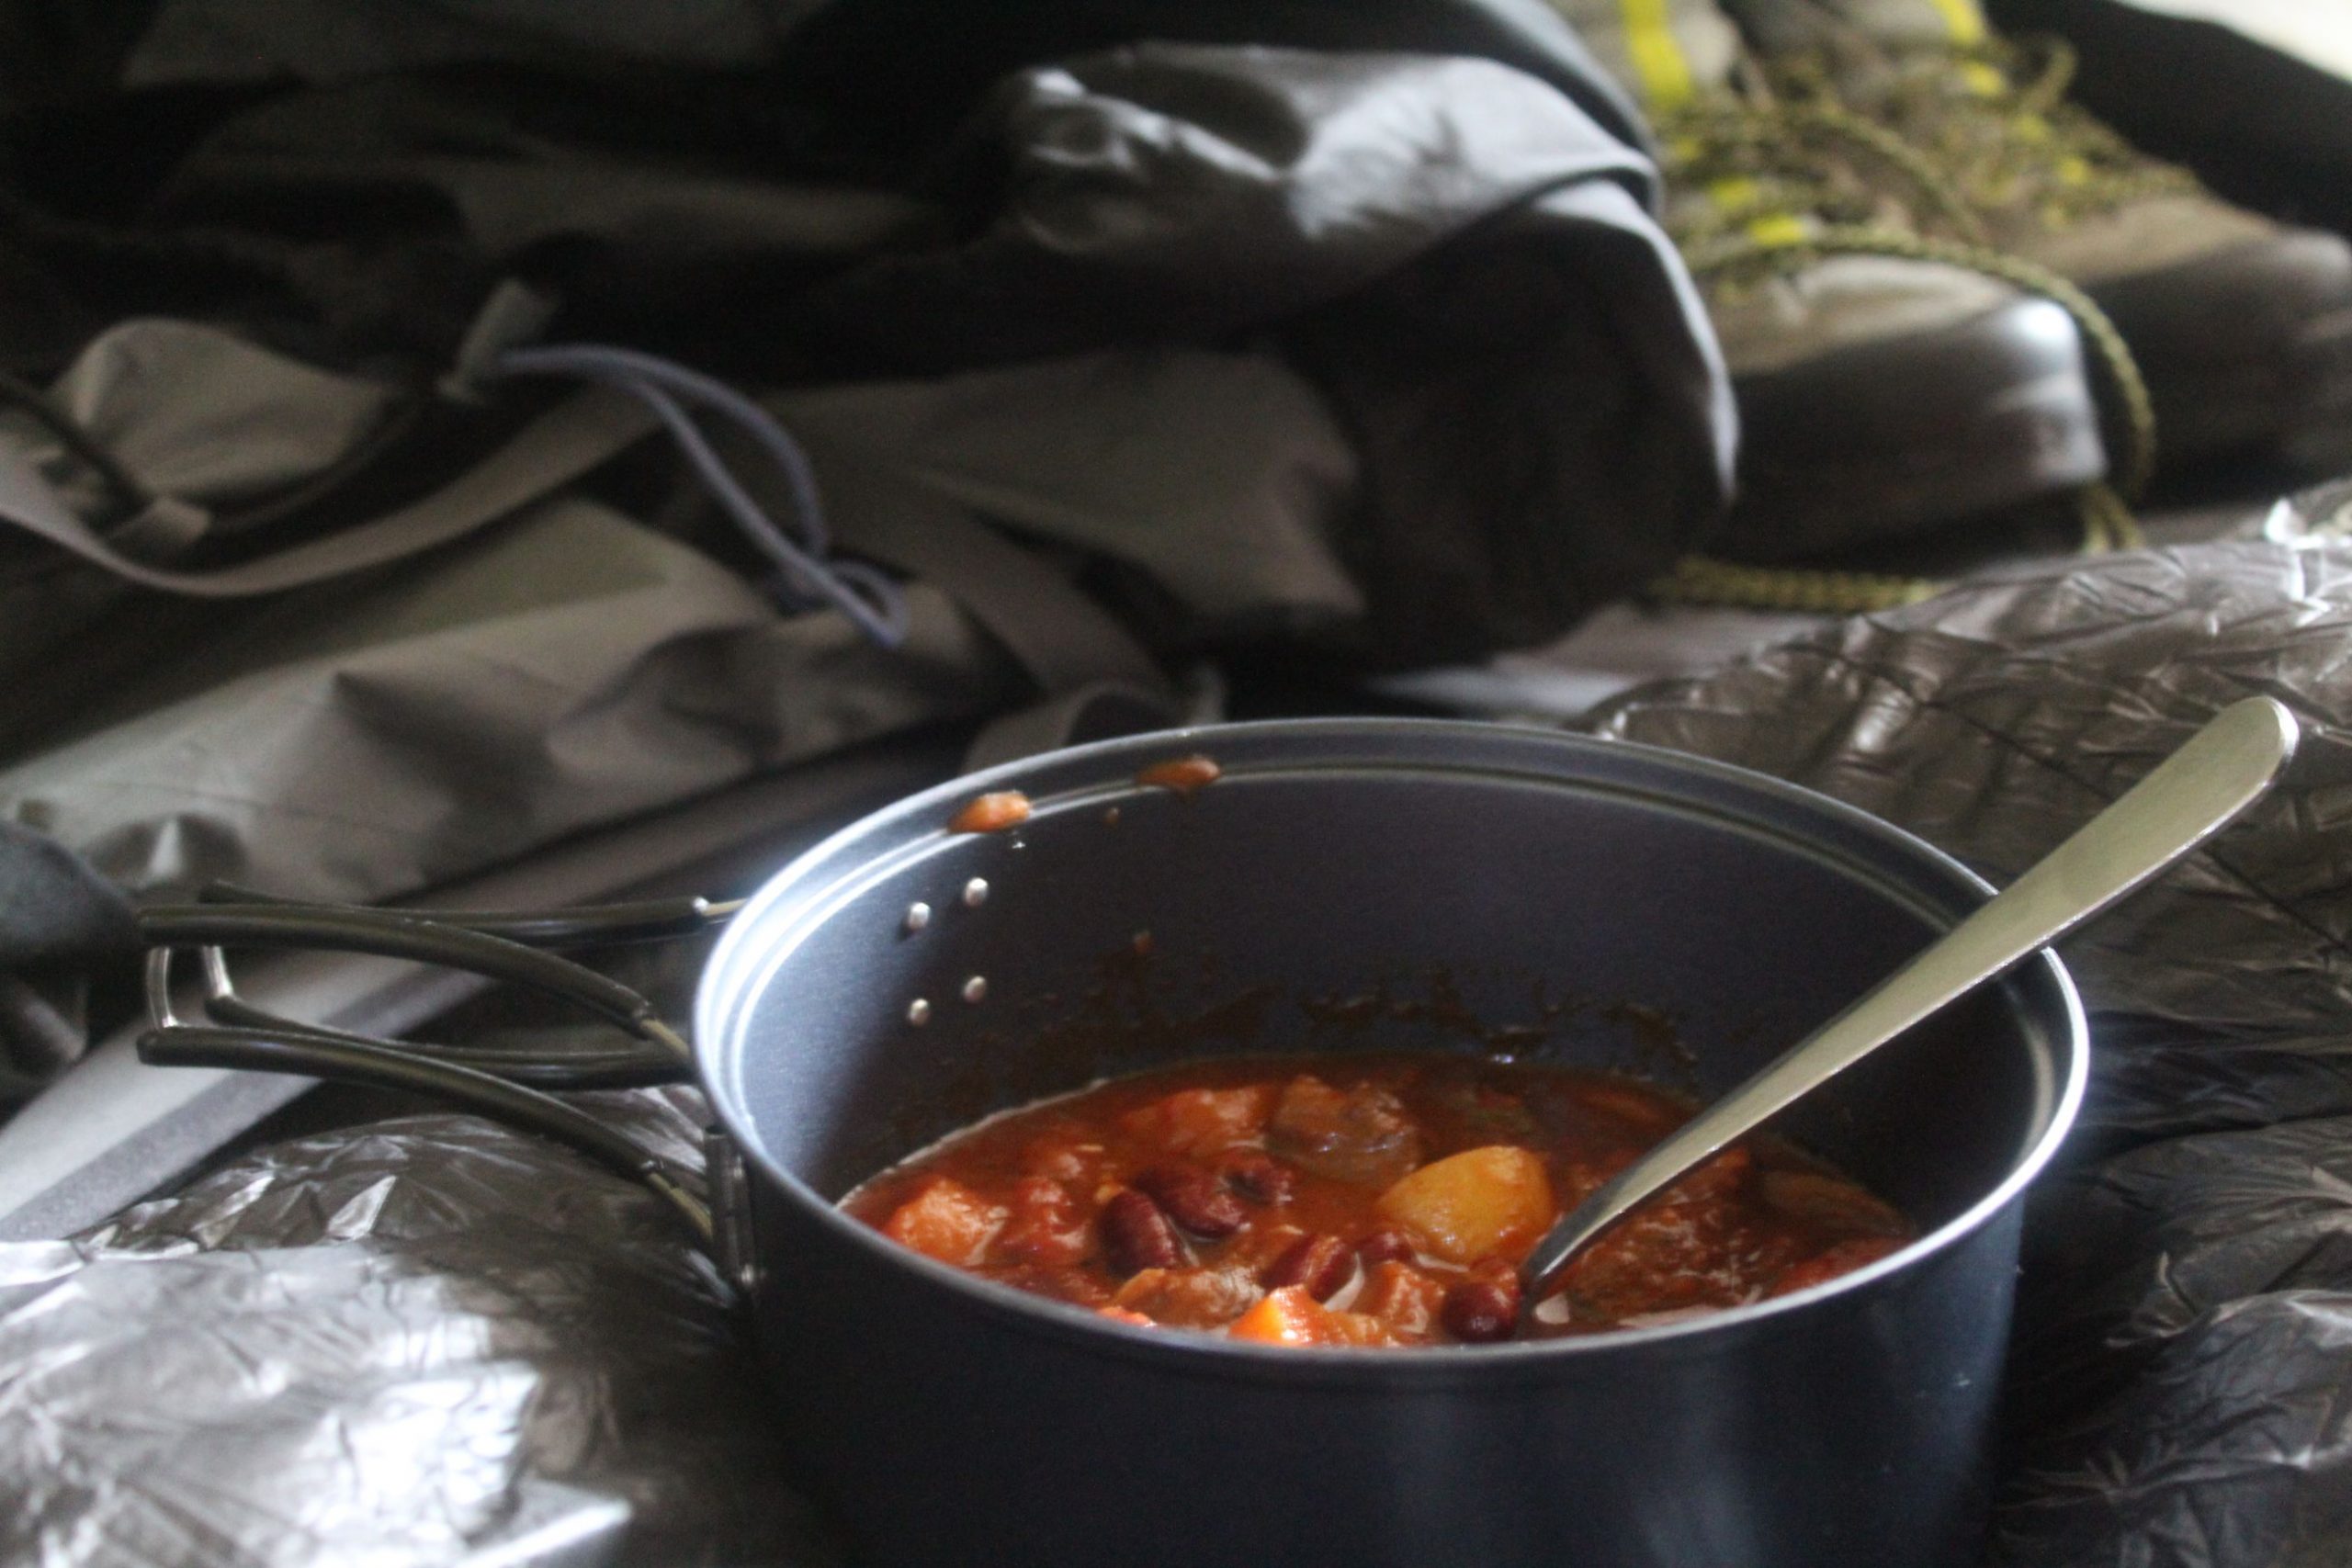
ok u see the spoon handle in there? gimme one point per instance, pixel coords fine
(2192, 796)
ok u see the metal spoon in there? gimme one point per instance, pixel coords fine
(2192, 794)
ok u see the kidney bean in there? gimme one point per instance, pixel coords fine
(1322, 1263)
(1385, 1247)
(1194, 1198)
(1136, 1234)
(1481, 1310)
(1262, 1179)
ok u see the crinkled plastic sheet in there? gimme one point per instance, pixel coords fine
(428, 1341)
(2184, 1354)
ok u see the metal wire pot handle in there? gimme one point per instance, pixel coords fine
(509, 1087)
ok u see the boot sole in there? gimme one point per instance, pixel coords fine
(1904, 436)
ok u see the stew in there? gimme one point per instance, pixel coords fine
(1375, 1200)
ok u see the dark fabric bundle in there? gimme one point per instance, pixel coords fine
(1127, 330)
(1439, 214)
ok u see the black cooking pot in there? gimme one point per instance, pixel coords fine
(1370, 884)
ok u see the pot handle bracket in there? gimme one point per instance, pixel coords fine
(729, 1181)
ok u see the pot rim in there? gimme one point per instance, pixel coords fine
(761, 938)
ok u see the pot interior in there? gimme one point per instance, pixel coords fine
(1370, 884)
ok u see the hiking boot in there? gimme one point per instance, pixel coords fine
(1881, 394)
(2243, 327)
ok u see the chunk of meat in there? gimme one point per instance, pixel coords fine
(1045, 1224)
(1291, 1317)
(1713, 1179)
(1402, 1297)
(1190, 1298)
(1489, 1202)
(1077, 1286)
(1829, 1202)
(1661, 1257)
(1574, 1179)
(1362, 1135)
(1201, 1121)
(1643, 1115)
(947, 1220)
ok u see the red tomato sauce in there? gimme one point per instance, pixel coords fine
(1373, 1200)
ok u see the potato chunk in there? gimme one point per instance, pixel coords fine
(1485, 1203)
(947, 1220)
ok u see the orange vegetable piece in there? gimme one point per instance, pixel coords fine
(947, 1220)
(1292, 1316)
(1482, 1203)
(1121, 1315)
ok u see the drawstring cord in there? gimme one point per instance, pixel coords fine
(871, 600)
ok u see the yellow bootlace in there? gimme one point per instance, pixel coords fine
(1706, 580)
(1993, 125)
